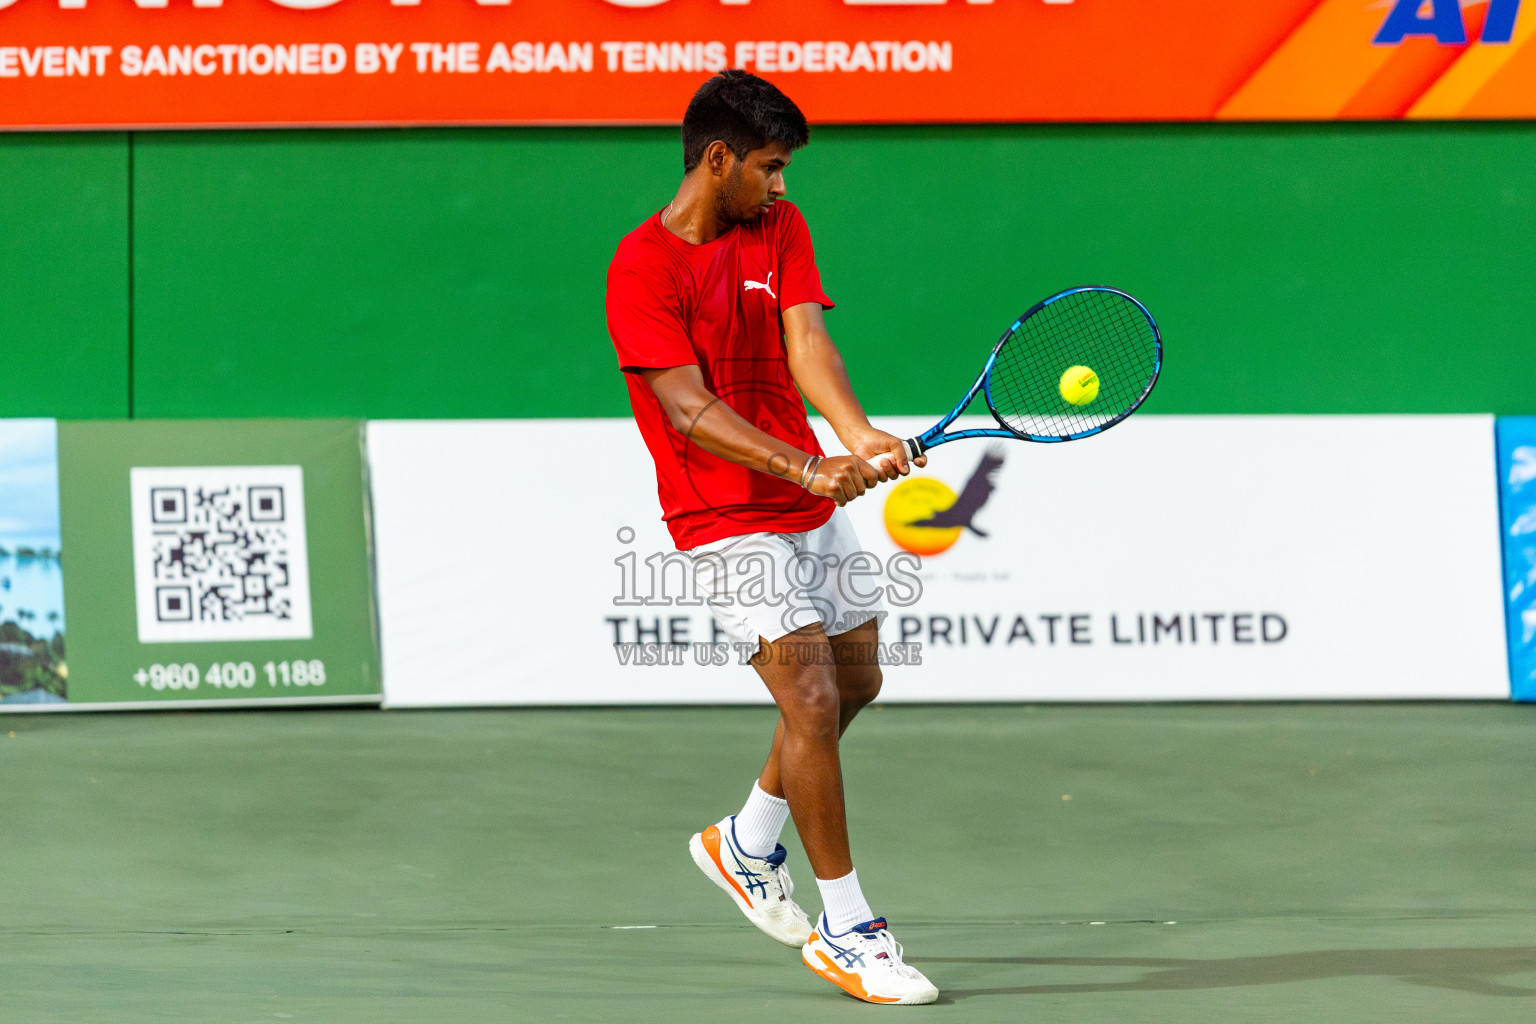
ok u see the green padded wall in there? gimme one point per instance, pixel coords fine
(390, 273)
(64, 341)
(1295, 268)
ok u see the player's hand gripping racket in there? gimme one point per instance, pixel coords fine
(1073, 366)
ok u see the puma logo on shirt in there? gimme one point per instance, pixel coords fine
(764, 285)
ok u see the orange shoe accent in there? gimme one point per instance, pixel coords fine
(711, 839)
(846, 980)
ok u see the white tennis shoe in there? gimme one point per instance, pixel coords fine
(866, 963)
(760, 886)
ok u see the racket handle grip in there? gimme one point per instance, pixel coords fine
(910, 446)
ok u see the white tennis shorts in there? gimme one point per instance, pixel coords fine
(770, 584)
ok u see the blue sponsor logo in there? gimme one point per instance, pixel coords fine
(1441, 20)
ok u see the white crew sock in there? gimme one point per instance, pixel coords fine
(760, 822)
(845, 903)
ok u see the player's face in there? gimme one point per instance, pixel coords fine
(752, 184)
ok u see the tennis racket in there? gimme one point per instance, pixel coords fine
(1103, 330)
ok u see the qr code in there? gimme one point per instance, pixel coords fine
(219, 553)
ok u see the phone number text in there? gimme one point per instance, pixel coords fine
(231, 675)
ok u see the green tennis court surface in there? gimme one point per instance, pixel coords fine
(1321, 862)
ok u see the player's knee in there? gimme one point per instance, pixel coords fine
(814, 705)
(859, 685)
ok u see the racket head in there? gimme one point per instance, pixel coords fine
(1102, 328)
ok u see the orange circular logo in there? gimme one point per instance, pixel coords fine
(909, 503)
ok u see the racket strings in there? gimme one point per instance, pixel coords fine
(1101, 330)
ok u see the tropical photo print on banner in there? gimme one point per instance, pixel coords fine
(33, 669)
(1517, 504)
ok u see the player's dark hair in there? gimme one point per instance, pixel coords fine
(744, 112)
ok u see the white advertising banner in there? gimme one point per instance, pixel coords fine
(1171, 558)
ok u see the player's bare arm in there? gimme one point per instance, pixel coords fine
(701, 417)
(817, 368)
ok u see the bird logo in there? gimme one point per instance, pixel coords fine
(925, 517)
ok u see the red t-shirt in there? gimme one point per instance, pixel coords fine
(671, 303)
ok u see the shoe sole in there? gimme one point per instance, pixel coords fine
(715, 872)
(854, 985)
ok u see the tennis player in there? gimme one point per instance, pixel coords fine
(715, 308)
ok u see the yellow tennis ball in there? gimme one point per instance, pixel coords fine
(1079, 385)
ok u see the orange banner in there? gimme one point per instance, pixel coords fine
(184, 63)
